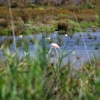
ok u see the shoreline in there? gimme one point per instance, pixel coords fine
(47, 19)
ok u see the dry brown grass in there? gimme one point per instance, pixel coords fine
(3, 22)
(50, 13)
(88, 11)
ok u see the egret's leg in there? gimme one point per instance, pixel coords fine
(56, 53)
(56, 59)
(50, 50)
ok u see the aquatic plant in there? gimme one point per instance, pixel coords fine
(94, 29)
(50, 40)
(96, 47)
(18, 44)
(62, 32)
(98, 44)
(70, 35)
(77, 41)
(90, 37)
(32, 40)
(59, 39)
(95, 37)
(88, 34)
(7, 42)
(80, 35)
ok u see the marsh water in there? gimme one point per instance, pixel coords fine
(77, 42)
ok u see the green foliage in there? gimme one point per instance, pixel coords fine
(61, 16)
(99, 20)
(47, 28)
(22, 78)
(89, 5)
(25, 32)
(50, 16)
(4, 31)
(41, 8)
(37, 79)
(87, 24)
(31, 5)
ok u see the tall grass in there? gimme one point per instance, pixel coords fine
(37, 79)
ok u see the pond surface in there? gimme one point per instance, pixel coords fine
(77, 43)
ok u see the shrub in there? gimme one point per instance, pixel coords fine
(89, 5)
(61, 17)
(3, 22)
(80, 18)
(25, 15)
(99, 20)
(62, 26)
(74, 9)
(18, 21)
(88, 11)
(19, 29)
(1, 4)
(31, 5)
(14, 5)
(4, 31)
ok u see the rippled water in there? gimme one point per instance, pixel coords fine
(92, 40)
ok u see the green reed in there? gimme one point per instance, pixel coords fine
(37, 79)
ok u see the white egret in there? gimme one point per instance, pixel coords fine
(66, 35)
(54, 45)
(21, 36)
(48, 38)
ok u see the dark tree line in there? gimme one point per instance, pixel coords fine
(52, 2)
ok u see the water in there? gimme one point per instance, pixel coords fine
(66, 43)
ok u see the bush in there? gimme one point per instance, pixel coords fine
(62, 26)
(4, 31)
(89, 5)
(25, 15)
(99, 20)
(1, 4)
(3, 22)
(74, 9)
(31, 5)
(14, 5)
(61, 17)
